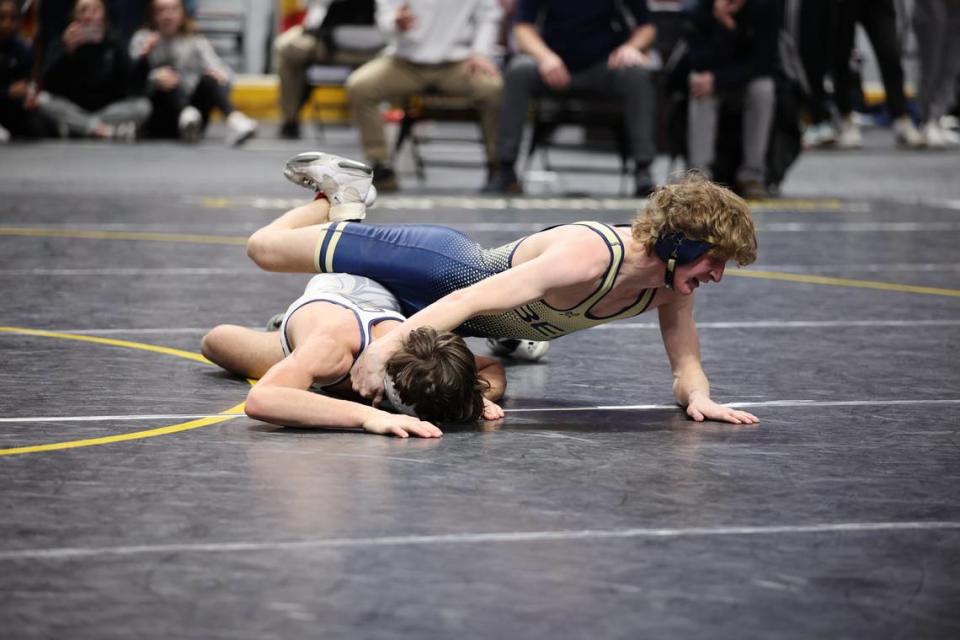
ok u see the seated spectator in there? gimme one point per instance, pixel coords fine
(447, 47)
(310, 43)
(733, 55)
(583, 47)
(90, 88)
(16, 63)
(879, 20)
(937, 25)
(186, 78)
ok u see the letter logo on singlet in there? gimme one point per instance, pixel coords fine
(532, 318)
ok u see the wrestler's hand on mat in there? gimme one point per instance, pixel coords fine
(389, 424)
(367, 373)
(491, 410)
(702, 408)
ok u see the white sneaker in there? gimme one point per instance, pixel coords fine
(950, 137)
(933, 135)
(819, 135)
(850, 137)
(124, 132)
(240, 128)
(531, 350)
(190, 124)
(906, 133)
(347, 184)
(4, 136)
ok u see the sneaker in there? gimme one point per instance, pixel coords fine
(240, 128)
(933, 135)
(503, 182)
(275, 322)
(644, 184)
(385, 178)
(751, 190)
(347, 184)
(190, 125)
(850, 137)
(906, 133)
(124, 132)
(950, 137)
(531, 350)
(4, 136)
(821, 134)
(290, 130)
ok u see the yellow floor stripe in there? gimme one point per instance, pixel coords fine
(227, 414)
(189, 355)
(846, 282)
(121, 235)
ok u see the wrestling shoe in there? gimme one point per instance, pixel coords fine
(531, 350)
(347, 184)
(275, 322)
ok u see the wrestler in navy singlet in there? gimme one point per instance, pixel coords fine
(420, 264)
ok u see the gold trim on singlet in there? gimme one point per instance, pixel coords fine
(329, 238)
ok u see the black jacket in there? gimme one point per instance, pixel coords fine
(740, 55)
(94, 75)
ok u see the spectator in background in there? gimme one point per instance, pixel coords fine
(312, 42)
(186, 78)
(583, 47)
(816, 18)
(447, 47)
(937, 25)
(90, 88)
(879, 20)
(733, 56)
(16, 64)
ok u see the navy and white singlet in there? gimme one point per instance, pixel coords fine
(370, 303)
(420, 264)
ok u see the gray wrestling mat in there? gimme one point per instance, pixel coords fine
(138, 501)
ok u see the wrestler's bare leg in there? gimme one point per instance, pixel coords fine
(288, 243)
(243, 351)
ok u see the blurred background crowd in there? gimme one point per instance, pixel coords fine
(735, 88)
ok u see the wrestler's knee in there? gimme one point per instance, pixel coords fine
(260, 248)
(211, 345)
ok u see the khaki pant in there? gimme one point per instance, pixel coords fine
(392, 79)
(296, 50)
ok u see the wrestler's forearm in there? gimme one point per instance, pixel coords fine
(289, 407)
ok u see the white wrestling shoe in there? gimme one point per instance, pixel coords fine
(531, 350)
(347, 184)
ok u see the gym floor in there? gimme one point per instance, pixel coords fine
(138, 501)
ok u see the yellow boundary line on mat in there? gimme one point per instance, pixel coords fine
(206, 239)
(845, 282)
(227, 414)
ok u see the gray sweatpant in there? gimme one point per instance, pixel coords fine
(633, 85)
(759, 101)
(937, 25)
(76, 120)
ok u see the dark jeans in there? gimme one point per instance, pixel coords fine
(633, 85)
(879, 20)
(816, 28)
(167, 106)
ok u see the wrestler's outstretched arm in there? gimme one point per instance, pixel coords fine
(563, 264)
(690, 385)
(282, 396)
